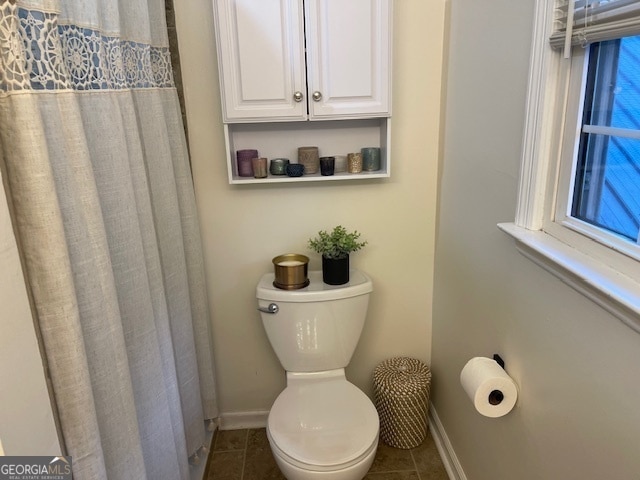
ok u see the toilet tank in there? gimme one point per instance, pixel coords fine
(315, 328)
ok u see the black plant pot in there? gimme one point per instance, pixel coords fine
(335, 271)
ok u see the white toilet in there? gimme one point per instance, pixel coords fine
(321, 426)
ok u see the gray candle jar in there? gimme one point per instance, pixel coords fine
(278, 166)
(370, 159)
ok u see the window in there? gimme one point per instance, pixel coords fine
(578, 212)
(607, 179)
(601, 197)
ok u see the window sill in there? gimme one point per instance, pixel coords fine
(616, 293)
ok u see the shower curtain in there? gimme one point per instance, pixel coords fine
(95, 160)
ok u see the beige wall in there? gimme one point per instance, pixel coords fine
(577, 367)
(243, 227)
(26, 418)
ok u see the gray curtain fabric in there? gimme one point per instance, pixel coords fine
(99, 180)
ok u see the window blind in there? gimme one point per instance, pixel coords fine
(580, 22)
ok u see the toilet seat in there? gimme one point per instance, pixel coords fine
(323, 425)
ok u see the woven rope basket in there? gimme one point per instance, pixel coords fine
(401, 387)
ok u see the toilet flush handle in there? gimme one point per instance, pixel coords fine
(272, 308)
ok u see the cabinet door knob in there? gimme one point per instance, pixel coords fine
(317, 96)
(298, 96)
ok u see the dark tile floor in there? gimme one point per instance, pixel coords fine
(245, 455)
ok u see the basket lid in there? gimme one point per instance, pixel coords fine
(402, 375)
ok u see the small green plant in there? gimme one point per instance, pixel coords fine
(337, 244)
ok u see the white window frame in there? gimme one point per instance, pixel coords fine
(566, 247)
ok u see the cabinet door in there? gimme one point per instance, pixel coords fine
(349, 58)
(261, 59)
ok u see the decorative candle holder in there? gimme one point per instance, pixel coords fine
(244, 157)
(259, 167)
(354, 162)
(278, 166)
(370, 159)
(327, 165)
(291, 270)
(308, 156)
(340, 165)
(295, 170)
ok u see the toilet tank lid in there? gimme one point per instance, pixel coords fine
(317, 291)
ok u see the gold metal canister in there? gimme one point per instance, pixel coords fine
(291, 271)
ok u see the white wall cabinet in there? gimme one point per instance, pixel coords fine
(261, 59)
(301, 61)
(348, 58)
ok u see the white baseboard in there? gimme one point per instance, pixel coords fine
(445, 449)
(240, 420)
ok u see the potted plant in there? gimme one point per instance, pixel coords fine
(335, 248)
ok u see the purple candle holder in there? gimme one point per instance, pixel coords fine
(245, 166)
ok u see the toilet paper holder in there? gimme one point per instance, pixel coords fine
(496, 397)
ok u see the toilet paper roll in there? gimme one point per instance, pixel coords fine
(492, 391)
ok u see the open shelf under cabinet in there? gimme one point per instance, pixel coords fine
(282, 139)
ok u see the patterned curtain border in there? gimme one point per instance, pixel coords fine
(36, 53)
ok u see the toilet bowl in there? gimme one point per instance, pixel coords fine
(321, 426)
